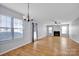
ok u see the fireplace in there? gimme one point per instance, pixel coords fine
(56, 33)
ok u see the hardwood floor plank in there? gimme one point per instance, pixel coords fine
(48, 46)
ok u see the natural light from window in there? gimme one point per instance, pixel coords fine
(50, 29)
(64, 29)
(10, 28)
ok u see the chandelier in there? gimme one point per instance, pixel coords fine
(27, 17)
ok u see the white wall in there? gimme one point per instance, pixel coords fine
(9, 12)
(74, 30)
(42, 31)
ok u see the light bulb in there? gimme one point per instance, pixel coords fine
(24, 17)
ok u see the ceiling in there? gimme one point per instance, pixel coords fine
(46, 12)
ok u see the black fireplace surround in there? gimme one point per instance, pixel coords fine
(56, 33)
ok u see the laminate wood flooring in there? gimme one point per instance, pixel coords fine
(48, 46)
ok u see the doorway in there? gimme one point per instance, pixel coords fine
(34, 32)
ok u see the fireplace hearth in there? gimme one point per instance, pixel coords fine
(56, 33)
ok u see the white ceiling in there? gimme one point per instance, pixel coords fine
(45, 12)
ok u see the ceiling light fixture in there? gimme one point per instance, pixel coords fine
(55, 22)
(27, 17)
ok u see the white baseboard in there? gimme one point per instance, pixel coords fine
(41, 37)
(14, 48)
(19, 46)
(74, 40)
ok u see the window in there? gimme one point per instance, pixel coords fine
(10, 28)
(50, 29)
(64, 29)
(18, 28)
(5, 28)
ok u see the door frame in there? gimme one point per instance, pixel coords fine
(34, 28)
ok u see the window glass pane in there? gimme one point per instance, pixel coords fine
(6, 31)
(64, 29)
(8, 22)
(2, 30)
(50, 30)
(15, 23)
(18, 23)
(5, 34)
(5, 28)
(0, 21)
(3, 21)
(18, 33)
(18, 28)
